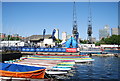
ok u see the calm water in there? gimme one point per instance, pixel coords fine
(112, 51)
(103, 68)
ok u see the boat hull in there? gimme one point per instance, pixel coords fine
(59, 55)
(89, 60)
(55, 72)
(21, 71)
(32, 74)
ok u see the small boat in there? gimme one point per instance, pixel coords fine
(62, 68)
(59, 58)
(36, 65)
(55, 72)
(67, 63)
(60, 55)
(21, 71)
(87, 60)
(68, 60)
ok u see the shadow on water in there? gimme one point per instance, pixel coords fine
(9, 56)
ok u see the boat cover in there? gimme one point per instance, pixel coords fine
(71, 42)
(18, 68)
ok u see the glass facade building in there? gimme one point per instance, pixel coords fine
(114, 31)
(104, 33)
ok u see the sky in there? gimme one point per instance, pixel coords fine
(59, 0)
(30, 18)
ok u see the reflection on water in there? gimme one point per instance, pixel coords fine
(101, 68)
(112, 51)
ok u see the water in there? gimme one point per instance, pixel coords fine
(113, 51)
(103, 68)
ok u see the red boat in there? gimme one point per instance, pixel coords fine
(60, 55)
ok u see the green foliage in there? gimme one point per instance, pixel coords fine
(97, 43)
(10, 38)
(83, 41)
(58, 41)
(114, 39)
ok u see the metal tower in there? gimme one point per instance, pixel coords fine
(75, 31)
(89, 31)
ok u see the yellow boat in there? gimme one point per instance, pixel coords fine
(67, 63)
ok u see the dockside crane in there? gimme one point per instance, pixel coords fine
(89, 31)
(53, 33)
(75, 30)
(44, 33)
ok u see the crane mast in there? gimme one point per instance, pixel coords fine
(75, 30)
(89, 31)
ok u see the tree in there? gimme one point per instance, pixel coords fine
(114, 39)
(58, 41)
(83, 41)
(97, 43)
(10, 38)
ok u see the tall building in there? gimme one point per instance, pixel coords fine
(93, 39)
(57, 34)
(2, 35)
(119, 18)
(64, 36)
(68, 36)
(15, 35)
(114, 31)
(104, 33)
(118, 29)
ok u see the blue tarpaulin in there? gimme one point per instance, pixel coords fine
(68, 43)
(18, 68)
(71, 43)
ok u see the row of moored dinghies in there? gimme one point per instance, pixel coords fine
(37, 66)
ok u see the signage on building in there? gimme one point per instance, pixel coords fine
(71, 50)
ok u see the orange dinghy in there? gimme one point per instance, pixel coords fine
(21, 71)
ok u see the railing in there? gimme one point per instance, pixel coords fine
(90, 49)
(37, 49)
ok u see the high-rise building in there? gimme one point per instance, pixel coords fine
(114, 31)
(119, 18)
(118, 29)
(57, 34)
(2, 35)
(104, 33)
(15, 35)
(64, 36)
(107, 28)
(68, 36)
(93, 39)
